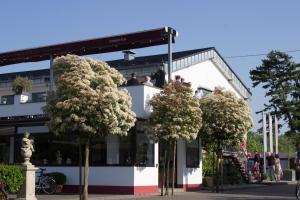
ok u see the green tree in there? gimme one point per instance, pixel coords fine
(254, 142)
(226, 121)
(280, 77)
(87, 101)
(176, 115)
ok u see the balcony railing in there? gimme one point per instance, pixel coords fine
(140, 95)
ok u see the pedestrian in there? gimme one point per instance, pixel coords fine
(133, 80)
(271, 166)
(159, 77)
(256, 166)
(178, 79)
(278, 170)
(261, 168)
(147, 81)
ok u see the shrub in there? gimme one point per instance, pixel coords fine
(208, 165)
(60, 178)
(12, 177)
(21, 84)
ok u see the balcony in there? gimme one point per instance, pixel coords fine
(140, 94)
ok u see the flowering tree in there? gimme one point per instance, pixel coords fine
(88, 101)
(226, 120)
(176, 115)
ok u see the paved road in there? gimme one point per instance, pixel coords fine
(270, 192)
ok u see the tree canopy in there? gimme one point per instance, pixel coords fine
(280, 77)
(87, 101)
(176, 114)
(87, 98)
(226, 119)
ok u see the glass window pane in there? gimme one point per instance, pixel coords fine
(192, 154)
(38, 97)
(144, 150)
(7, 99)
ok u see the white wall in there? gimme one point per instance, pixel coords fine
(108, 176)
(140, 95)
(21, 109)
(185, 175)
(147, 176)
(205, 74)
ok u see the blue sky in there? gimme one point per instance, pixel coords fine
(234, 27)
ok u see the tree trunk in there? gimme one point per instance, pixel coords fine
(86, 170)
(174, 164)
(222, 173)
(80, 169)
(217, 172)
(168, 170)
(164, 173)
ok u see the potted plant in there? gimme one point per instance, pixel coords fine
(21, 84)
(60, 179)
(208, 170)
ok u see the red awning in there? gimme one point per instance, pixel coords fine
(92, 46)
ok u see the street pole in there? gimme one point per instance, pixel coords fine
(51, 84)
(271, 132)
(170, 37)
(265, 138)
(276, 134)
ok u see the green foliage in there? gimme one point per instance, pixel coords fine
(226, 119)
(254, 142)
(21, 84)
(280, 77)
(208, 165)
(59, 178)
(12, 177)
(288, 142)
(87, 99)
(176, 114)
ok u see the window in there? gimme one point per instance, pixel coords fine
(38, 97)
(144, 150)
(98, 152)
(4, 149)
(126, 150)
(192, 154)
(50, 150)
(37, 80)
(7, 99)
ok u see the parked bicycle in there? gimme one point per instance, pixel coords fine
(44, 183)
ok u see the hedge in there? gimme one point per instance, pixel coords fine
(12, 177)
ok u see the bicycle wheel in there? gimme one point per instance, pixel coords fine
(298, 190)
(48, 185)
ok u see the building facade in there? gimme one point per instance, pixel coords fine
(126, 165)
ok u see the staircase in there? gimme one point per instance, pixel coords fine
(239, 159)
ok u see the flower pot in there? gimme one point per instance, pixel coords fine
(209, 181)
(58, 188)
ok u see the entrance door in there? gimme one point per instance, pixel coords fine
(163, 156)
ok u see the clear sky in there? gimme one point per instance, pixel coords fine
(234, 27)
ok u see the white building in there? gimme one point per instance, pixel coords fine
(127, 165)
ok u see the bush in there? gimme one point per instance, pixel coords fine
(208, 165)
(12, 177)
(60, 178)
